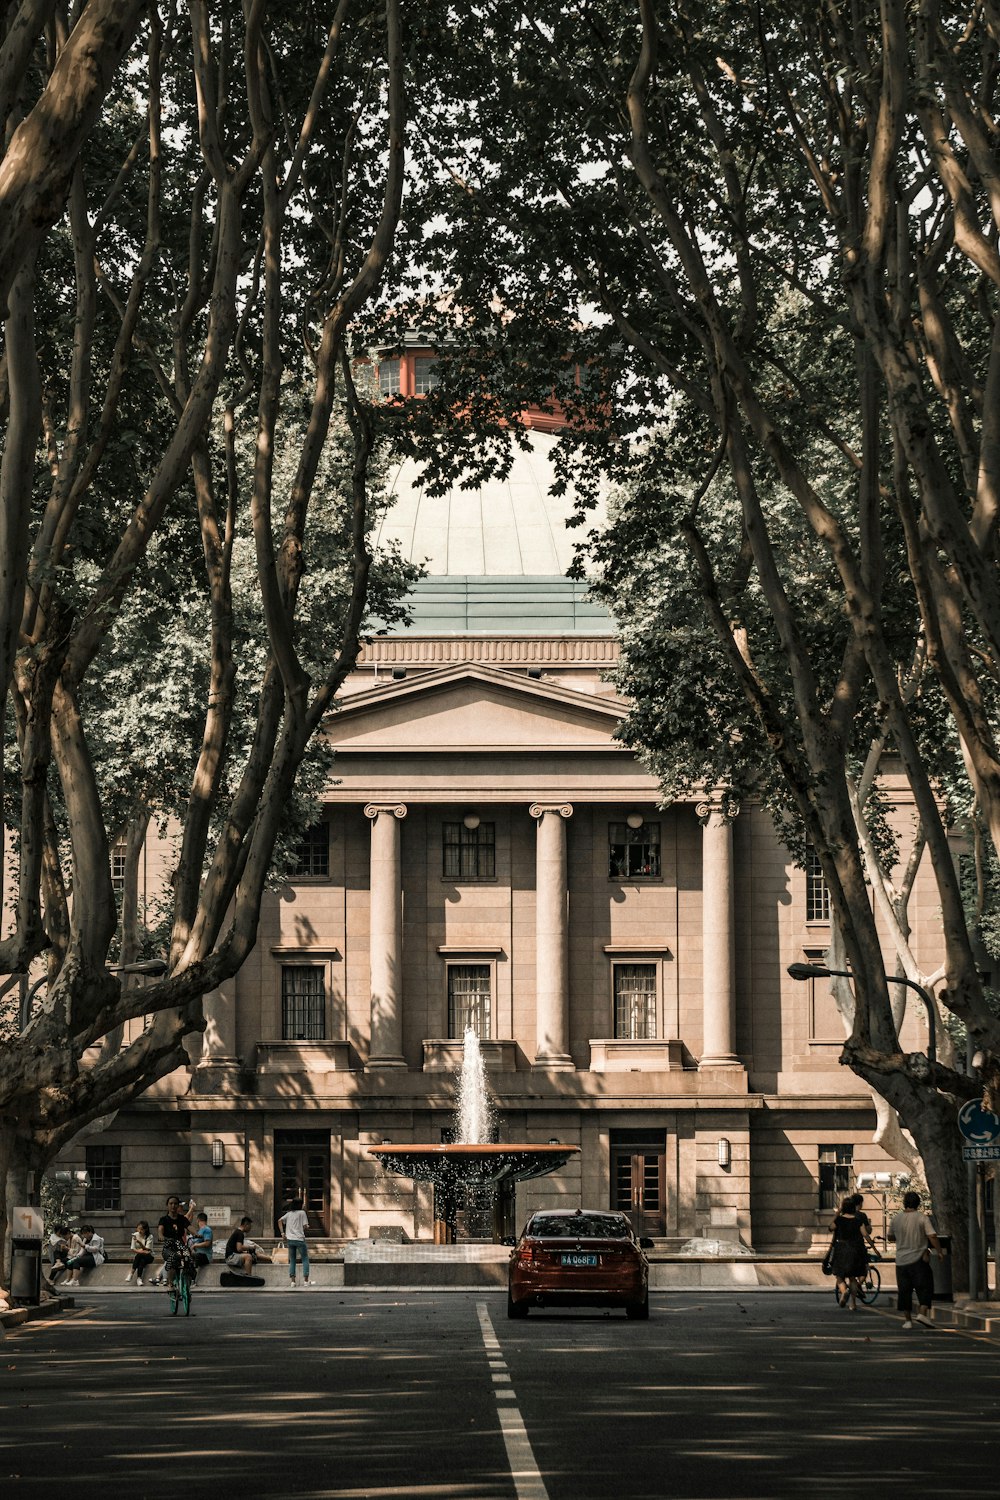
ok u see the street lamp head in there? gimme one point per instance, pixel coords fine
(153, 967)
(808, 971)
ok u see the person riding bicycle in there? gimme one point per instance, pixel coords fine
(177, 1257)
(172, 1230)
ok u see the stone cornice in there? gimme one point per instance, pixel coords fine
(532, 651)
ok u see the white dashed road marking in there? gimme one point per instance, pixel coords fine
(528, 1482)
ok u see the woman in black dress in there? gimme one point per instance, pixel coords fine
(850, 1253)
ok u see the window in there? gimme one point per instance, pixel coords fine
(303, 1003)
(118, 853)
(633, 852)
(388, 376)
(312, 857)
(469, 999)
(469, 853)
(104, 1168)
(836, 1164)
(425, 376)
(635, 1001)
(817, 891)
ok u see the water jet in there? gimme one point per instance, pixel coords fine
(473, 1174)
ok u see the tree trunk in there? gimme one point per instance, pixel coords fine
(938, 1137)
(18, 1159)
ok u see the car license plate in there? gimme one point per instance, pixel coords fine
(578, 1260)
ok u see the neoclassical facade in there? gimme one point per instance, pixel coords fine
(489, 854)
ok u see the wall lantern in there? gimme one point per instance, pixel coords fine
(218, 1154)
(725, 1152)
(470, 821)
(635, 820)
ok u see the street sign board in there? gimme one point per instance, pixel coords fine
(980, 1126)
(28, 1222)
(981, 1153)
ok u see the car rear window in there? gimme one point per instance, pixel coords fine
(564, 1226)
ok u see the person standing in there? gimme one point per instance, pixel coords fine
(914, 1237)
(849, 1254)
(294, 1226)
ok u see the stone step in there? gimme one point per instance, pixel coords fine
(430, 1266)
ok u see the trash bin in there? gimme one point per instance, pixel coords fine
(26, 1271)
(942, 1270)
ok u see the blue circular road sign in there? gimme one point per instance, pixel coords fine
(979, 1125)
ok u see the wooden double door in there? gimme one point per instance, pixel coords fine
(639, 1179)
(302, 1170)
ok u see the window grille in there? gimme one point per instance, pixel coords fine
(312, 857)
(303, 1003)
(633, 853)
(469, 999)
(119, 851)
(469, 853)
(635, 1001)
(388, 377)
(836, 1166)
(104, 1168)
(425, 375)
(817, 891)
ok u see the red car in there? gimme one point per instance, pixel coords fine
(567, 1256)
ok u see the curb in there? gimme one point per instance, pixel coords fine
(13, 1317)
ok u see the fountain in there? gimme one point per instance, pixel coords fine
(473, 1175)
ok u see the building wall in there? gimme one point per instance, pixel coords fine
(781, 1099)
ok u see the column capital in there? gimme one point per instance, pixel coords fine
(720, 802)
(564, 809)
(372, 809)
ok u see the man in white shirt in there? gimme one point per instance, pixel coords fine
(294, 1226)
(914, 1236)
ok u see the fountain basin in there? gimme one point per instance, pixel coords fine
(472, 1165)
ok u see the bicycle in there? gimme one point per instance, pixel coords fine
(869, 1285)
(185, 1274)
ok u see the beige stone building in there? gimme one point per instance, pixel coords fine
(490, 855)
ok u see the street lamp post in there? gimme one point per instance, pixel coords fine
(153, 968)
(820, 971)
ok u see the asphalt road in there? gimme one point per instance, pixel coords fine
(343, 1395)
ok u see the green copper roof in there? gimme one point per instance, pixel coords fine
(514, 605)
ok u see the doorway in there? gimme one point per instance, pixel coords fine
(639, 1179)
(302, 1169)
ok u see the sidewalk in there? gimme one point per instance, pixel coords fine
(977, 1317)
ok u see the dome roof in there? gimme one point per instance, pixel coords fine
(509, 528)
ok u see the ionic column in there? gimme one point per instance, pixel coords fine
(385, 937)
(551, 937)
(717, 931)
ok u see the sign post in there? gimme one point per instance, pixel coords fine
(981, 1129)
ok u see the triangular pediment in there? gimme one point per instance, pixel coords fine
(472, 706)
